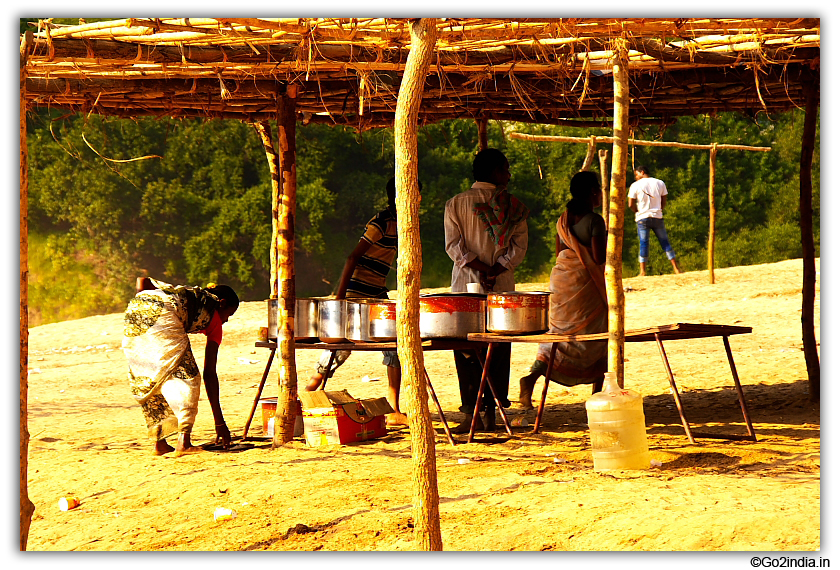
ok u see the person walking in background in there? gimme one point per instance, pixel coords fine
(486, 233)
(647, 198)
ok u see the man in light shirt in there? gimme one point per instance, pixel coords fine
(647, 197)
(486, 231)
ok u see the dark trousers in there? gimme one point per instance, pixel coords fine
(469, 370)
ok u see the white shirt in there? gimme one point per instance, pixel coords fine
(648, 194)
(467, 239)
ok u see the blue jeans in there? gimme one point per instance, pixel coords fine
(657, 225)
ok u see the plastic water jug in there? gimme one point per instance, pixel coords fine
(617, 428)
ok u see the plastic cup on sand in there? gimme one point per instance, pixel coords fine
(67, 503)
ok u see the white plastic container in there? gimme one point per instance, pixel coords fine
(617, 428)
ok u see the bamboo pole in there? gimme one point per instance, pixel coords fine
(712, 212)
(603, 154)
(635, 142)
(409, 264)
(615, 237)
(284, 422)
(809, 277)
(26, 506)
(482, 133)
(274, 170)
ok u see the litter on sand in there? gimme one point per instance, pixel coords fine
(223, 514)
(369, 379)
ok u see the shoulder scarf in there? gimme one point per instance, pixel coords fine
(500, 215)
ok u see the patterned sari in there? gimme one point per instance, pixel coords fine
(578, 305)
(162, 372)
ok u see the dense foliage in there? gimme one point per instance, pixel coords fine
(189, 201)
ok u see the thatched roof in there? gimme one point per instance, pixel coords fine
(348, 70)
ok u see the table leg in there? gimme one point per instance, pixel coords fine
(493, 391)
(674, 387)
(259, 393)
(485, 372)
(545, 387)
(738, 388)
(439, 408)
(328, 374)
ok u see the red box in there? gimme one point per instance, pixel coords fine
(337, 418)
(269, 409)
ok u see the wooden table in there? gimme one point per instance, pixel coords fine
(432, 344)
(658, 334)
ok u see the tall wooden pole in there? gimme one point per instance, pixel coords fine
(284, 422)
(273, 158)
(26, 506)
(712, 212)
(409, 265)
(615, 237)
(482, 133)
(806, 212)
(603, 154)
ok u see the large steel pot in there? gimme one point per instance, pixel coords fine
(452, 315)
(517, 312)
(332, 320)
(272, 318)
(357, 327)
(382, 314)
(306, 319)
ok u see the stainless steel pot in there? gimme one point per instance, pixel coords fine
(452, 315)
(382, 315)
(272, 318)
(306, 319)
(517, 312)
(332, 320)
(357, 327)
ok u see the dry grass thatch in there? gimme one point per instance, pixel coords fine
(348, 70)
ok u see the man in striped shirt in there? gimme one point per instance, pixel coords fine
(364, 276)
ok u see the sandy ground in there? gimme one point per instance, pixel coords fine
(525, 493)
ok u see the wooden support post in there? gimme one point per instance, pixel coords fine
(284, 422)
(274, 170)
(603, 154)
(712, 212)
(615, 237)
(590, 155)
(806, 212)
(482, 133)
(26, 506)
(409, 264)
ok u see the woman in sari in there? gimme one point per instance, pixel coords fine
(163, 374)
(578, 302)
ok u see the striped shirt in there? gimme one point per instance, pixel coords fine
(368, 279)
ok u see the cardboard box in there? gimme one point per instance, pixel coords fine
(331, 418)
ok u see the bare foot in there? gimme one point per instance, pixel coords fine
(161, 447)
(464, 426)
(188, 451)
(397, 419)
(526, 390)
